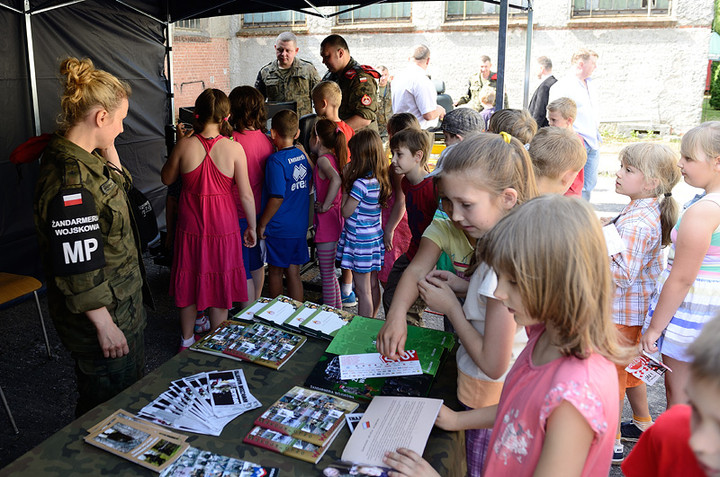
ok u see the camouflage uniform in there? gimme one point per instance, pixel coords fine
(384, 109)
(294, 84)
(359, 92)
(91, 261)
(475, 84)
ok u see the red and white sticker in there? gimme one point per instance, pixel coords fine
(366, 100)
(72, 199)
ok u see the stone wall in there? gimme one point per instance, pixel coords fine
(650, 70)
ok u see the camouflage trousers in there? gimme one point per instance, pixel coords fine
(100, 378)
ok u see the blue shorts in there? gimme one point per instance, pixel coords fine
(283, 252)
(252, 259)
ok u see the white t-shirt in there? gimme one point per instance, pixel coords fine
(482, 285)
(584, 94)
(413, 92)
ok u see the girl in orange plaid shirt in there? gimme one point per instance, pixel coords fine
(648, 172)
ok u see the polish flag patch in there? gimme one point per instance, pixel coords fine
(72, 199)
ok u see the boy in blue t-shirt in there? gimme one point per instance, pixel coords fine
(284, 221)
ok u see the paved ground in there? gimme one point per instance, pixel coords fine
(41, 392)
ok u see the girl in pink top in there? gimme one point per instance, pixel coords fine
(207, 267)
(249, 119)
(329, 145)
(559, 405)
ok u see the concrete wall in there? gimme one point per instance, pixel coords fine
(650, 71)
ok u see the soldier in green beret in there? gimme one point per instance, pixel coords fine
(288, 78)
(88, 237)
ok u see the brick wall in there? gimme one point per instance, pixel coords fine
(199, 63)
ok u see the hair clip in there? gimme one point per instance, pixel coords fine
(527, 146)
(668, 194)
(506, 137)
(337, 130)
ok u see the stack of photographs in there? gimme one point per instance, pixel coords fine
(143, 443)
(203, 403)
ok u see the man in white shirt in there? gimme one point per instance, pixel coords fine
(413, 92)
(579, 87)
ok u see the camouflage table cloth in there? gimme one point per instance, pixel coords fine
(65, 453)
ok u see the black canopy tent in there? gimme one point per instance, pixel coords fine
(133, 40)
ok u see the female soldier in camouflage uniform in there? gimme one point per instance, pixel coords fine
(88, 238)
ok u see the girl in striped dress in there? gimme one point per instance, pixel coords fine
(366, 188)
(688, 290)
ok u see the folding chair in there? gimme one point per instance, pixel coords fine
(15, 286)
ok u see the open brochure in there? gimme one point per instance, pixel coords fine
(391, 422)
(138, 441)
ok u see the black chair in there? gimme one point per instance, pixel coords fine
(307, 123)
(273, 107)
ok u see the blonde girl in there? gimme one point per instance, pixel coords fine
(329, 145)
(366, 188)
(647, 174)
(558, 407)
(483, 178)
(208, 267)
(688, 290)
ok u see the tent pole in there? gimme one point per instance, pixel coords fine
(528, 53)
(502, 48)
(169, 31)
(30, 57)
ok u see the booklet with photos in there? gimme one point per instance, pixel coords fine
(265, 345)
(287, 445)
(254, 342)
(138, 441)
(218, 340)
(199, 463)
(311, 416)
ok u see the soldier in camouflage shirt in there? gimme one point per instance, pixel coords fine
(384, 101)
(288, 78)
(357, 83)
(88, 238)
(477, 82)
